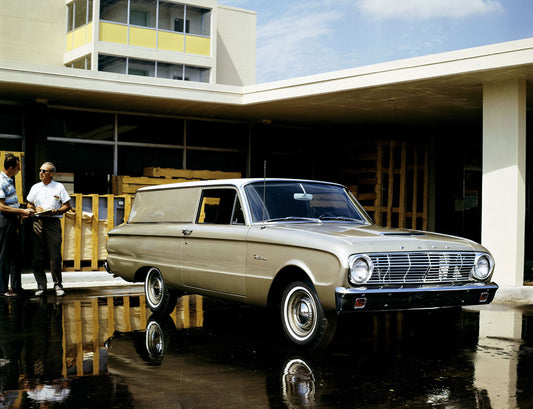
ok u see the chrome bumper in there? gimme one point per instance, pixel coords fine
(412, 298)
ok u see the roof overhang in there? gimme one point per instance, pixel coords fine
(428, 88)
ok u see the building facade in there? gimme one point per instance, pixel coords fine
(109, 87)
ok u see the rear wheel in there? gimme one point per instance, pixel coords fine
(160, 299)
(304, 321)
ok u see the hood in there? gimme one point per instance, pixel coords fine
(371, 238)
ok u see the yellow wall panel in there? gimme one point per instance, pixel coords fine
(69, 41)
(198, 45)
(143, 37)
(79, 37)
(113, 33)
(170, 41)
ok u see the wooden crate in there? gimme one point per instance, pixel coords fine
(124, 185)
(160, 176)
(190, 174)
(18, 178)
(390, 178)
(85, 232)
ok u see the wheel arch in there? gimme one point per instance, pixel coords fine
(140, 274)
(285, 276)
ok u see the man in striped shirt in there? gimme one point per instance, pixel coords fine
(10, 211)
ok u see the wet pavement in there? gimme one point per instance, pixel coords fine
(101, 348)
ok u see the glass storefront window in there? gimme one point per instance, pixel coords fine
(10, 120)
(132, 159)
(164, 131)
(92, 165)
(80, 125)
(114, 10)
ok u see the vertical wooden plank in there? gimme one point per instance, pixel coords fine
(403, 176)
(62, 221)
(96, 332)
(426, 188)
(94, 232)
(199, 311)
(78, 338)
(110, 212)
(414, 206)
(379, 182)
(128, 201)
(390, 193)
(63, 342)
(127, 313)
(142, 311)
(110, 317)
(186, 311)
(77, 231)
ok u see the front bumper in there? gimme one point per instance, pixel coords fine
(412, 298)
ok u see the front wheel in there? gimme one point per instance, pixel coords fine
(304, 321)
(160, 299)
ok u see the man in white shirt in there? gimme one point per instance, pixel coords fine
(50, 200)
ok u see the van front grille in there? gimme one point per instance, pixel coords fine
(421, 267)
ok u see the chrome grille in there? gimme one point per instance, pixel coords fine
(421, 267)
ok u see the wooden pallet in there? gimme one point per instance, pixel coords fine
(161, 176)
(391, 180)
(85, 233)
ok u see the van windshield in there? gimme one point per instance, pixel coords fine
(303, 201)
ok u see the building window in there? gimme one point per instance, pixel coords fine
(111, 63)
(133, 66)
(80, 13)
(141, 67)
(179, 25)
(114, 10)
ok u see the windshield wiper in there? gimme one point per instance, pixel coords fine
(341, 218)
(294, 218)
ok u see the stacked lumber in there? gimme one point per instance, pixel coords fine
(159, 176)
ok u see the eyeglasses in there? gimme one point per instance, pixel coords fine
(45, 171)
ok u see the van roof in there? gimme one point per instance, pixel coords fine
(221, 182)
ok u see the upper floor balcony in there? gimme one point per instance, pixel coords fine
(150, 24)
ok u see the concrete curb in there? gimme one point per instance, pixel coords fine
(79, 279)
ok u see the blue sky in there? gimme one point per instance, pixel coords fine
(303, 37)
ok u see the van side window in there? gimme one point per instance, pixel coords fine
(220, 206)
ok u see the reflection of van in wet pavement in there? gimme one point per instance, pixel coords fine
(107, 350)
(305, 248)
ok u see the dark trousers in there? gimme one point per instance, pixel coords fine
(10, 251)
(47, 250)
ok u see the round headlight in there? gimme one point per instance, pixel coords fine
(361, 268)
(482, 267)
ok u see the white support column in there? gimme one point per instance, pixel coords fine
(504, 171)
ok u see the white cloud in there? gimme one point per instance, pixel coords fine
(383, 9)
(294, 43)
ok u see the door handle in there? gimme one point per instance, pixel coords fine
(186, 232)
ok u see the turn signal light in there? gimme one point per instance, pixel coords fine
(360, 302)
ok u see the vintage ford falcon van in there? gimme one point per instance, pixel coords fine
(305, 247)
